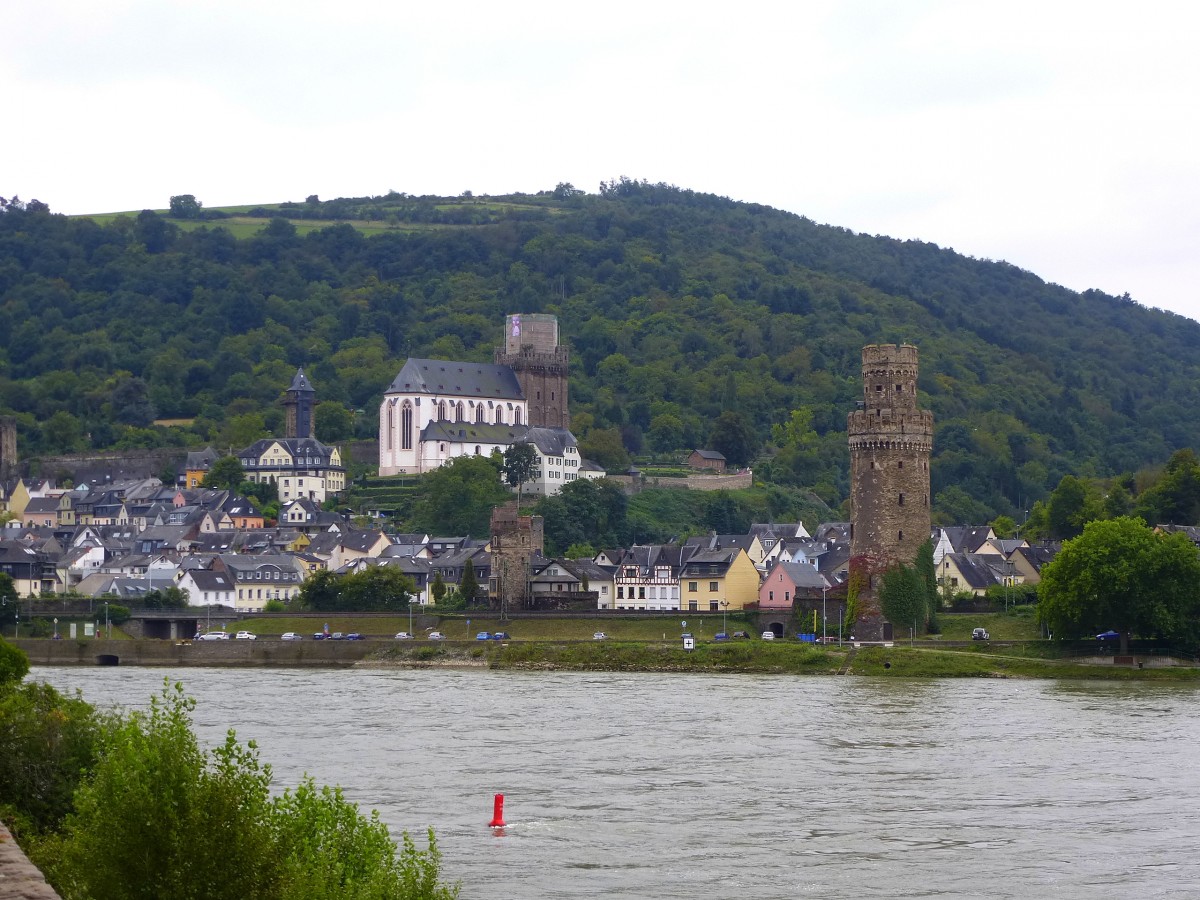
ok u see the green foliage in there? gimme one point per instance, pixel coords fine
(1121, 575)
(274, 606)
(458, 498)
(14, 665)
(48, 745)
(734, 438)
(521, 464)
(332, 422)
(580, 551)
(225, 473)
(585, 511)
(185, 206)
(9, 598)
(162, 817)
(437, 590)
(374, 589)
(468, 587)
(904, 598)
(167, 598)
(605, 447)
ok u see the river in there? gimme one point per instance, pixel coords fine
(735, 786)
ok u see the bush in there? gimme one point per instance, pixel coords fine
(164, 818)
(14, 665)
(48, 744)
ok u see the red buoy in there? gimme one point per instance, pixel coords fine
(498, 813)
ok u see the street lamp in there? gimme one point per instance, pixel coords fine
(824, 618)
(725, 617)
(107, 627)
(411, 601)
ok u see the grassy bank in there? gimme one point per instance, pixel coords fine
(901, 662)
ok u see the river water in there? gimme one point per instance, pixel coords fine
(735, 786)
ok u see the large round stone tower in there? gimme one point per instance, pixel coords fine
(890, 443)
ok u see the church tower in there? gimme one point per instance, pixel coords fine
(298, 401)
(890, 443)
(532, 351)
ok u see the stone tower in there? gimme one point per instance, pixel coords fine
(298, 401)
(532, 351)
(8, 448)
(515, 541)
(890, 443)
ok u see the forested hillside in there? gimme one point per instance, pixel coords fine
(694, 320)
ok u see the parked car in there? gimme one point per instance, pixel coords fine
(336, 636)
(599, 636)
(246, 636)
(745, 635)
(483, 636)
(1109, 636)
(215, 636)
(720, 636)
(828, 639)
(403, 636)
(355, 636)
(980, 634)
(501, 636)
(291, 636)
(320, 636)
(768, 635)
(436, 636)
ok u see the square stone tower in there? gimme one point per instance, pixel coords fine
(531, 349)
(890, 444)
(515, 541)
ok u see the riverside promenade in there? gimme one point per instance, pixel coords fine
(19, 878)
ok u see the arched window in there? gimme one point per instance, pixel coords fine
(479, 414)
(390, 424)
(517, 416)
(441, 410)
(460, 413)
(406, 426)
(478, 452)
(499, 416)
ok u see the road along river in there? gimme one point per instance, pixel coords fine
(735, 786)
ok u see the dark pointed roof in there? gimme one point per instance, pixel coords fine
(300, 383)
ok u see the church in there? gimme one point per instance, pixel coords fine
(437, 410)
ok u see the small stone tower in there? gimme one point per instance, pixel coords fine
(532, 351)
(515, 541)
(890, 443)
(298, 401)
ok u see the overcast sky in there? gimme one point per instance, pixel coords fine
(1059, 136)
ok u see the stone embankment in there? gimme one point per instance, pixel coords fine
(19, 878)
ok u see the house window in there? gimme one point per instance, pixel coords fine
(693, 586)
(692, 606)
(713, 586)
(641, 593)
(713, 606)
(771, 596)
(620, 593)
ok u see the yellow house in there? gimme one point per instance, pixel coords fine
(301, 468)
(718, 580)
(197, 465)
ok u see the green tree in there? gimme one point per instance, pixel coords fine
(14, 665)
(904, 597)
(1073, 504)
(332, 422)
(437, 590)
(666, 433)
(604, 446)
(1121, 575)
(458, 498)
(225, 473)
(468, 587)
(1175, 498)
(172, 597)
(521, 464)
(9, 598)
(185, 206)
(733, 437)
(1004, 527)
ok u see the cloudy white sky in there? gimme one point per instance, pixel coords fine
(1059, 136)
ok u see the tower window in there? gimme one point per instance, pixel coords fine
(900, 536)
(899, 389)
(900, 464)
(901, 500)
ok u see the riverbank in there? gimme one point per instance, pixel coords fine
(753, 657)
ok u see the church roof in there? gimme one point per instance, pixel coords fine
(458, 379)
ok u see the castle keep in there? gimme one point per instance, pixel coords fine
(531, 349)
(890, 443)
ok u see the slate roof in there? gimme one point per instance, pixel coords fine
(551, 441)
(474, 432)
(461, 379)
(803, 575)
(300, 383)
(710, 454)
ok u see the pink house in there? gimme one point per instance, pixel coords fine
(787, 579)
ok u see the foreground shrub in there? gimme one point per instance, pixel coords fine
(162, 817)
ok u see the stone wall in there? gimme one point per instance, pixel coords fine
(19, 878)
(738, 481)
